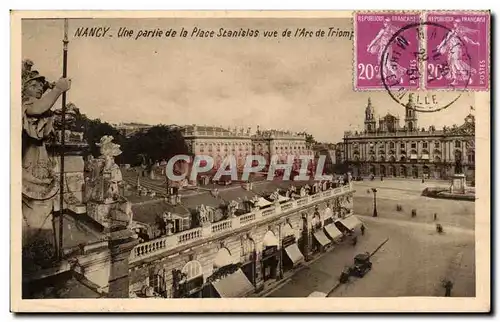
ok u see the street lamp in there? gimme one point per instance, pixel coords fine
(374, 202)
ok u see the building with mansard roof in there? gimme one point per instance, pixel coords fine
(385, 148)
(219, 142)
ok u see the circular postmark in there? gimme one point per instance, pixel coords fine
(446, 66)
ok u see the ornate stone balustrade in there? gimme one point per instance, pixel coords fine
(157, 246)
(222, 226)
(268, 212)
(247, 218)
(188, 235)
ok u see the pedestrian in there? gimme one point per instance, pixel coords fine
(435, 216)
(354, 240)
(362, 230)
(448, 285)
(423, 180)
(344, 276)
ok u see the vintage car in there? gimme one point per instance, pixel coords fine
(362, 265)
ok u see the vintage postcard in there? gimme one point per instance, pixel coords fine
(250, 161)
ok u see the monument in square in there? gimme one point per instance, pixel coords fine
(459, 179)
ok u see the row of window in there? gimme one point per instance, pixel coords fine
(425, 145)
(470, 159)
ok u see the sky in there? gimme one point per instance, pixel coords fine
(293, 84)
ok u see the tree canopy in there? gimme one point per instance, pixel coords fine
(160, 142)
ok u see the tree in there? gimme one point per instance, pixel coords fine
(93, 129)
(160, 142)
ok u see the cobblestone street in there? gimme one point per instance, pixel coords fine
(415, 259)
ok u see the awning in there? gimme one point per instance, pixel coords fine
(294, 253)
(425, 156)
(413, 156)
(321, 238)
(333, 231)
(263, 203)
(351, 222)
(234, 285)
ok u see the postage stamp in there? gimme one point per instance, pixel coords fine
(373, 35)
(458, 48)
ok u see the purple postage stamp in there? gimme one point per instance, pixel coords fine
(458, 48)
(377, 36)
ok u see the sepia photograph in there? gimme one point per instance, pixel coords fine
(271, 156)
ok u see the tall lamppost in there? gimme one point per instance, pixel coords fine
(374, 202)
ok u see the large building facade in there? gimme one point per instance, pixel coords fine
(385, 148)
(218, 143)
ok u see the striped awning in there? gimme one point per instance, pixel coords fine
(413, 156)
(321, 238)
(425, 156)
(294, 254)
(333, 231)
(234, 285)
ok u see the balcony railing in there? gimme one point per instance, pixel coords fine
(163, 244)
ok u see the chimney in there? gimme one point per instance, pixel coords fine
(172, 199)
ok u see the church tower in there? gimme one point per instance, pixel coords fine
(370, 122)
(411, 115)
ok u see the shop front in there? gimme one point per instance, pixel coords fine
(248, 259)
(291, 253)
(227, 280)
(188, 282)
(322, 242)
(270, 256)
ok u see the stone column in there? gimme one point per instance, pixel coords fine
(120, 247)
(259, 281)
(306, 236)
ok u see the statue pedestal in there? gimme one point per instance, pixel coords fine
(112, 217)
(458, 183)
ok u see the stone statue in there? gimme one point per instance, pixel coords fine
(40, 182)
(303, 192)
(203, 213)
(275, 195)
(232, 207)
(458, 166)
(168, 222)
(105, 204)
(105, 173)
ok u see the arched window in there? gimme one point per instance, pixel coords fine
(157, 280)
(287, 230)
(223, 258)
(192, 270)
